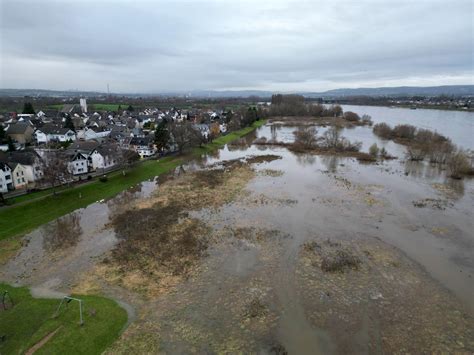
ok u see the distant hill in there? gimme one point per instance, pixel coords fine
(449, 90)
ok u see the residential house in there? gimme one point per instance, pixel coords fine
(78, 163)
(18, 176)
(99, 156)
(6, 183)
(30, 161)
(20, 132)
(144, 146)
(54, 133)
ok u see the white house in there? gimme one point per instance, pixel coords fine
(19, 176)
(78, 164)
(52, 133)
(6, 183)
(103, 157)
(31, 163)
(89, 134)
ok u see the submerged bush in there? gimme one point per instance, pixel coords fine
(351, 116)
(383, 130)
(305, 138)
(404, 131)
(458, 164)
(374, 150)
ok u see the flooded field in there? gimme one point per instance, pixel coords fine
(256, 249)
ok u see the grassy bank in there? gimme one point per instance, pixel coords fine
(17, 220)
(31, 320)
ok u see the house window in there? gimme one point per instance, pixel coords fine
(22, 179)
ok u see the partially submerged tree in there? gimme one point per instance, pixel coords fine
(458, 164)
(305, 138)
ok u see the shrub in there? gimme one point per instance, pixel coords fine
(415, 154)
(374, 150)
(305, 137)
(404, 131)
(383, 130)
(351, 116)
(367, 120)
(103, 178)
(458, 164)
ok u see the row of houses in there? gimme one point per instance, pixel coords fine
(25, 169)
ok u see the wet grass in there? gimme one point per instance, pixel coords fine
(31, 319)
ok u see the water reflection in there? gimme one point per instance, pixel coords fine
(305, 159)
(62, 233)
(331, 162)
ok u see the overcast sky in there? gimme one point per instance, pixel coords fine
(158, 46)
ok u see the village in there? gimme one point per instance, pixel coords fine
(54, 147)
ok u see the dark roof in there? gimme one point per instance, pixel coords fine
(108, 150)
(54, 129)
(18, 128)
(4, 166)
(22, 157)
(84, 145)
(141, 140)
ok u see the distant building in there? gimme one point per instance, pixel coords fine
(83, 104)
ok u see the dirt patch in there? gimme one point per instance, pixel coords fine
(434, 203)
(332, 256)
(271, 172)
(43, 341)
(258, 159)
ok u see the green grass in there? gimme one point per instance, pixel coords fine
(31, 319)
(222, 140)
(42, 207)
(95, 106)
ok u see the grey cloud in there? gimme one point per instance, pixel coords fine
(152, 46)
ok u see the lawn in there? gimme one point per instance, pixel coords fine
(31, 319)
(28, 215)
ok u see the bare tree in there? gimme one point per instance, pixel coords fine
(184, 135)
(56, 169)
(126, 158)
(305, 137)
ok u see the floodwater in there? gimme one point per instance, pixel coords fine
(457, 125)
(261, 289)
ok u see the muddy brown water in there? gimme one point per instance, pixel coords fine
(312, 198)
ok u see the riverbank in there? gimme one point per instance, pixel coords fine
(23, 218)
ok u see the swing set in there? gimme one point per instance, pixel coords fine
(66, 300)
